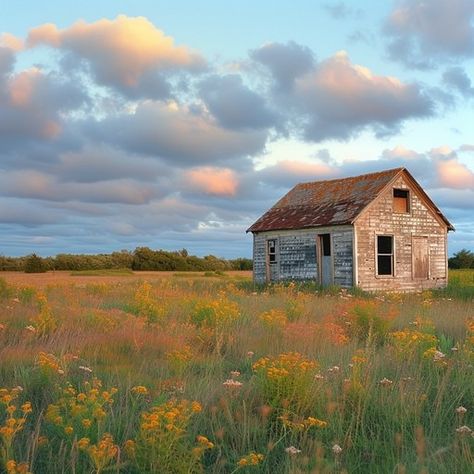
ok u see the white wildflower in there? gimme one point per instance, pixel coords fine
(463, 430)
(386, 382)
(336, 449)
(438, 355)
(461, 410)
(231, 383)
(292, 450)
(85, 369)
(234, 374)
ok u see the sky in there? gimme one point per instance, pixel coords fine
(176, 124)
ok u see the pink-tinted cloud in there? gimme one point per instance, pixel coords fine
(341, 98)
(120, 51)
(401, 151)
(32, 103)
(10, 41)
(215, 181)
(453, 174)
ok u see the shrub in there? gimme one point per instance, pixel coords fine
(285, 379)
(35, 264)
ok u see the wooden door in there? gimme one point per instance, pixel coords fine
(420, 258)
(326, 259)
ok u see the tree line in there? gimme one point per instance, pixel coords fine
(142, 258)
(462, 259)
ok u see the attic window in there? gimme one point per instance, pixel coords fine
(401, 201)
(384, 255)
(271, 249)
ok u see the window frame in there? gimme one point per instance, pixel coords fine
(377, 254)
(271, 245)
(408, 200)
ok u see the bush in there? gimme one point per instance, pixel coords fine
(35, 264)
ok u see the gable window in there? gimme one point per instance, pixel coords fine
(271, 250)
(384, 255)
(401, 201)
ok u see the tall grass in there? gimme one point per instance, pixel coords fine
(217, 376)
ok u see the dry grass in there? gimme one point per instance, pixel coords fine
(380, 377)
(42, 280)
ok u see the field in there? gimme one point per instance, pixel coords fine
(189, 373)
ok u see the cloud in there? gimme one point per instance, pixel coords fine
(11, 42)
(24, 213)
(7, 60)
(401, 152)
(234, 105)
(340, 10)
(457, 79)
(339, 99)
(285, 61)
(178, 135)
(126, 53)
(214, 181)
(424, 32)
(336, 99)
(33, 103)
(451, 173)
(96, 163)
(466, 147)
(33, 184)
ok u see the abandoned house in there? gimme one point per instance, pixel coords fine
(378, 231)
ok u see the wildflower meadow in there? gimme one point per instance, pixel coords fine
(207, 373)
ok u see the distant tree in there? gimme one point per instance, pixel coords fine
(122, 259)
(242, 264)
(462, 259)
(10, 264)
(35, 264)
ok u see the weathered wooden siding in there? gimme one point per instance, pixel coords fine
(259, 258)
(342, 257)
(297, 256)
(380, 219)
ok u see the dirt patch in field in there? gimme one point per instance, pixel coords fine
(40, 280)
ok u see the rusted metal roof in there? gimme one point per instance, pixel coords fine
(321, 203)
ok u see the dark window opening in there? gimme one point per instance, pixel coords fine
(384, 255)
(326, 244)
(271, 248)
(401, 201)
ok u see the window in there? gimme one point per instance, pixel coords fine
(271, 249)
(384, 255)
(401, 201)
(326, 244)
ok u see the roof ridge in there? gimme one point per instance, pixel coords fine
(353, 177)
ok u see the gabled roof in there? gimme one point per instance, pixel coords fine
(331, 202)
